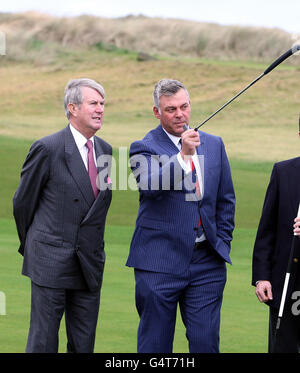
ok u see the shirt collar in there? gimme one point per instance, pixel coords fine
(174, 139)
(80, 140)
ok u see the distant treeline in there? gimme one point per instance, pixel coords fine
(31, 35)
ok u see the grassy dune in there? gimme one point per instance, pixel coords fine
(44, 52)
(39, 33)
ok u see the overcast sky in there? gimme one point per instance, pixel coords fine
(284, 14)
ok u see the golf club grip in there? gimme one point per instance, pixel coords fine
(280, 59)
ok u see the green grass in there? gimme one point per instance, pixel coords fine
(252, 127)
(244, 320)
(250, 180)
(252, 131)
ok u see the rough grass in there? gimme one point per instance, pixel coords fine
(262, 124)
(39, 33)
(258, 129)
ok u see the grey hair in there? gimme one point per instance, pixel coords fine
(167, 87)
(73, 93)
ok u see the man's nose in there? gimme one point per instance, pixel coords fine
(100, 108)
(178, 112)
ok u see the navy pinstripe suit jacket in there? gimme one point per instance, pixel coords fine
(59, 222)
(166, 224)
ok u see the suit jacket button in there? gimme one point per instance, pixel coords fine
(76, 199)
(195, 228)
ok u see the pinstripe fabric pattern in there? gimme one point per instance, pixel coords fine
(167, 268)
(166, 226)
(47, 308)
(60, 224)
(198, 291)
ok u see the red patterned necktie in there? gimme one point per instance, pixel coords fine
(197, 181)
(198, 192)
(92, 169)
(197, 186)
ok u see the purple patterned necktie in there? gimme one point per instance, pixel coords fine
(92, 169)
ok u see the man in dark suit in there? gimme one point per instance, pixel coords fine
(184, 226)
(60, 209)
(272, 251)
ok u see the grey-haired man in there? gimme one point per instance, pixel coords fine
(60, 210)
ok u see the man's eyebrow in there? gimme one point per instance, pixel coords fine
(95, 100)
(174, 106)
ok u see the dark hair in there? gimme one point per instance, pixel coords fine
(166, 87)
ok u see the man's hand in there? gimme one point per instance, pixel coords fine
(190, 139)
(264, 291)
(297, 226)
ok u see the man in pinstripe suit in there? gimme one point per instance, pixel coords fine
(60, 210)
(184, 227)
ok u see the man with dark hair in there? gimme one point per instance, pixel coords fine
(184, 226)
(60, 209)
(278, 224)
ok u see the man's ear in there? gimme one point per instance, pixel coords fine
(156, 112)
(72, 109)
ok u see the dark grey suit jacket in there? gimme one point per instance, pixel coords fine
(59, 222)
(275, 231)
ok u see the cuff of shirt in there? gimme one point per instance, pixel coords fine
(186, 166)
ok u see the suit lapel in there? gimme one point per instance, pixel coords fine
(98, 147)
(164, 140)
(77, 167)
(171, 149)
(293, 187)
(99, 151)
(201, 151)
(102, 193)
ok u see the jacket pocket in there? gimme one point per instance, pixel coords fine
(47, 238)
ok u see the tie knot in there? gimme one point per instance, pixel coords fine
(89, 144)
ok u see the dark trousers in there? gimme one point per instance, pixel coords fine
(198, 291)
(47, 308)
(287, 338)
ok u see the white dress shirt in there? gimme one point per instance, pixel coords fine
(187, 169)
(80, 141)
(187, 166)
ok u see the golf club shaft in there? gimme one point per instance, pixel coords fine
(228, 102)
(278, 61)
